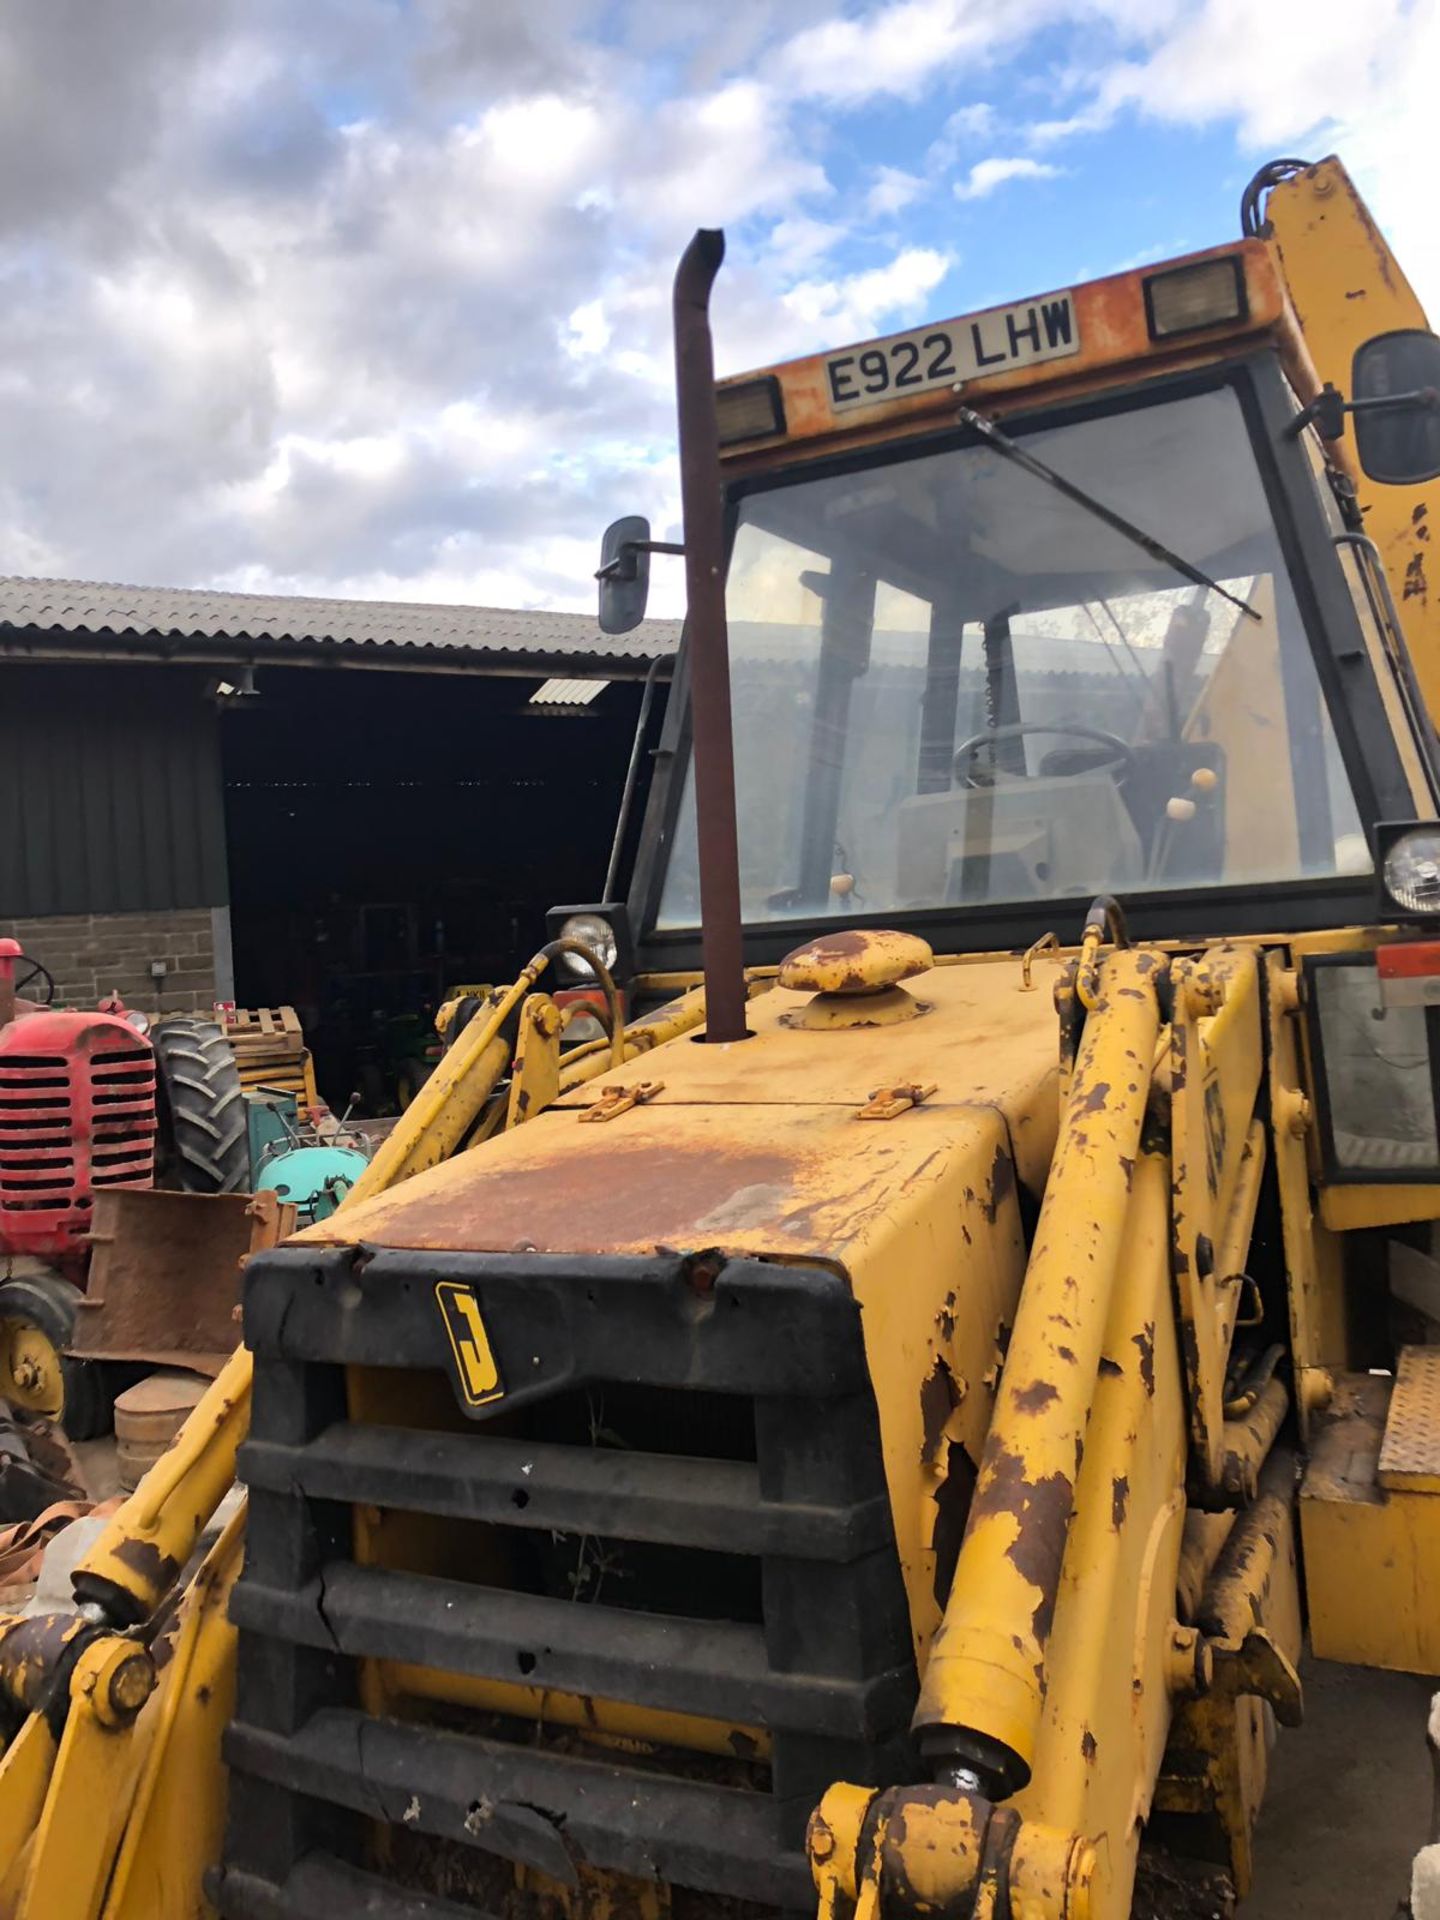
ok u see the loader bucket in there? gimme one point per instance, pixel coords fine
(164, 1280)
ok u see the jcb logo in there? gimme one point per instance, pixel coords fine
(475, 1363)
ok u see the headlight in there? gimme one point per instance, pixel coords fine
(1411, 871)
(139, 1021)
(595, 932)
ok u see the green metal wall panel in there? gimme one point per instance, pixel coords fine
(111, 798)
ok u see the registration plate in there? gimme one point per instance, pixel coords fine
(948, 355)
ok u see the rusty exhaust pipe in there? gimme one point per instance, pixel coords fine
(714, 745)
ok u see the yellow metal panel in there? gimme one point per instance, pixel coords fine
(177, 1823)
(1107, 1702)
(1315, 1290)
(1345, 1209)
(1347, 286)
(1372, 1557)
(1216, 1065)
(753, 1146)
(987, 1670)
(89, 1801)
(1410, 1452)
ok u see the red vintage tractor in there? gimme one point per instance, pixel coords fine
(92, 1100)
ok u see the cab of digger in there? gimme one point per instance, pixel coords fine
(953, 684)
(1130, 642)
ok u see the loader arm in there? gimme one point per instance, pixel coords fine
(1067, 1656)
(125, 1702)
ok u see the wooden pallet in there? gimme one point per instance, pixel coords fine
(270, 1051)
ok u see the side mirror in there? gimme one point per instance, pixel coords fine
(1395, 383)
(624, 574)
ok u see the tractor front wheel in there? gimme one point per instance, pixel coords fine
(37, 1319)
(203, 1145)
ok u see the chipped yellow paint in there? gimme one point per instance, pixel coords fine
(754, 1148)
(856, 960)
(1347, 286)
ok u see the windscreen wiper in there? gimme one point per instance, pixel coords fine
(1015, 453)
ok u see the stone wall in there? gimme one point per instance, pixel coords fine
(95, 954)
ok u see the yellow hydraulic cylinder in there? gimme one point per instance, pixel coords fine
(134, 1563)
(984, 1683)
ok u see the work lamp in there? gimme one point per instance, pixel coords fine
(1209, 294)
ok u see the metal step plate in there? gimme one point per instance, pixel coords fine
(1410, 1452)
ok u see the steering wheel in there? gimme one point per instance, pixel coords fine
(1121, 759)
(27, 970)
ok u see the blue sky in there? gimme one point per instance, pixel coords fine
(371, 296)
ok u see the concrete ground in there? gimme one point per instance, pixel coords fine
(1349, 1799)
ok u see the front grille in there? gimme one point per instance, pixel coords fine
(37, 1137)
(75, 1114)
(682, 1483)
(122, 1136)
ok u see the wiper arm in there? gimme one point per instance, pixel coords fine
(1015, 453)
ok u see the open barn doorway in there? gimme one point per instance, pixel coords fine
(394, 834)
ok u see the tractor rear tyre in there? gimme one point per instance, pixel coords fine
(37, 1320)
(203, 1145)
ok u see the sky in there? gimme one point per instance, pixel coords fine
(371, 297)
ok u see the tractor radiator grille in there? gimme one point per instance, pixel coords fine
(37, 1133)
(674, 1507)
(73, 1117)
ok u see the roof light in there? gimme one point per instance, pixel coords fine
(1188, 298)
(567, 693)
(752, 410)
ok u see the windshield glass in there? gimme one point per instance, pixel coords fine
(952, 684)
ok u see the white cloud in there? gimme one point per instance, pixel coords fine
(1307, 76)
(588, 332)
(853, 308)
(977, 121)
(902, 47)
(986, 175)
(418, 342)
(892, 191)
(797, 242)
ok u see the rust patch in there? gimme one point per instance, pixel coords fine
(743, 1745)
(1002, 1184)
(1041, 1510)
(1119, 1500)
(939, 1397)
(1088, 1747)
(1112, 1369)
(839, 946)
(1416, 587)
(1145, 1342)
(1036, 1396)
(1067, 1354)
(690, 1192)
(1127, 1164)
(144, 1558)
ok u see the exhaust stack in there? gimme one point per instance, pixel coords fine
(714, 746)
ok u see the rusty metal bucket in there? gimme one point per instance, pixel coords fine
(164, 1279)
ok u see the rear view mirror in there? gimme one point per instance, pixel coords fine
(624, 574)
(1395, 388)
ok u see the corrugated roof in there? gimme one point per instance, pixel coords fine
(567, 693)
(34, 612)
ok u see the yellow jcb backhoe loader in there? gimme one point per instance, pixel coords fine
(870, 1434)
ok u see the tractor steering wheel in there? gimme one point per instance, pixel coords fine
(1121, 759)
(27, 970)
